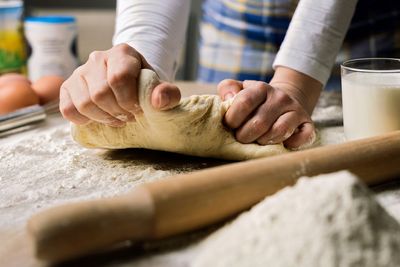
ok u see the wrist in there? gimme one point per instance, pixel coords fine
(301, 87)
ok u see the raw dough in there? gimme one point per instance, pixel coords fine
(331, 220)
(194, 127)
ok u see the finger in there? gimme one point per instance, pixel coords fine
(68, 110)
(81, 99)
(253, 83)
(245, 103)
(261, 122)
(165, 96)
(100, 92)
(251, 130)
(228, 88)
(304, 137)
(281, 129)
(123, 68)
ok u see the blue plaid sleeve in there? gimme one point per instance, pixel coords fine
(240, 38)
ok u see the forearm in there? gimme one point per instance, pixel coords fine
(314, 37)
(156, 29)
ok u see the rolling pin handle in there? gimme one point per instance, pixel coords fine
(73, 229)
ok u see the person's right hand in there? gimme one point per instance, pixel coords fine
(104, 89)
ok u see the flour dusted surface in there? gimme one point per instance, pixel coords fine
(332, 220)
(49, 168)
(44, 167)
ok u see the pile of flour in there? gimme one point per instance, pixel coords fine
(331, 220)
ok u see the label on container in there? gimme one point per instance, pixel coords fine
(12, 47)
(52, 43)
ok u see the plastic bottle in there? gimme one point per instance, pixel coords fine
(52, 46)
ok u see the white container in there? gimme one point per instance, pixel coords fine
(52, 42)
(371, 97)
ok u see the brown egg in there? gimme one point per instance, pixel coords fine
(11, 77)
(48, 88)
(15, 92)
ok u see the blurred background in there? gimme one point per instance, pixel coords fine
(43, 41)
(95, 21)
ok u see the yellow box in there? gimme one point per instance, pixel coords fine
(12, 45)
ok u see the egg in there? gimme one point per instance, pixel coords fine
(15, 92)
(12, 77)
(48, 88)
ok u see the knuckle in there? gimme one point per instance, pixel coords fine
(231, 123)
(240, 137)
(227, 83)
(230, 120)
(123, 48)
(64, 85)
(119, 77)
(64, 88)
(281, 128)
(245, 104)
(100, 94)
(262, 140)
(282, 97)
(85, 105)
(260, 85)
(67, 110)
(96, 56)
(128, 103)
(258, 125)
(79, 71)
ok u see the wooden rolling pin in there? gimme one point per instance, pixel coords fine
(189, 201)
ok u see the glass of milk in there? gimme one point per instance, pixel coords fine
(371, 96)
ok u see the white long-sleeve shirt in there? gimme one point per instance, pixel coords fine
(157, 30)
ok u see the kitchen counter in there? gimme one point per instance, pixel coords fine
(43, 167)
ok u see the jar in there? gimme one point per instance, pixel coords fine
(52, 42)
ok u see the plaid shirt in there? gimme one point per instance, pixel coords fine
(240, 38)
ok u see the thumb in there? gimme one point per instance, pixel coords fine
(165, 96)
(228, 88)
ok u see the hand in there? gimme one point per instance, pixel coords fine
(104, 89)
(267, 114)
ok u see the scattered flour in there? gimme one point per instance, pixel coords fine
(326, 221)
(49, 168)
(331, 220)
(45, 167)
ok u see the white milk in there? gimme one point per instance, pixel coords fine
(371, 103)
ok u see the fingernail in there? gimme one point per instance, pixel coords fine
(163, 100)
(228, 96)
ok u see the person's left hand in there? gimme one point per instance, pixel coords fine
(266, 114)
